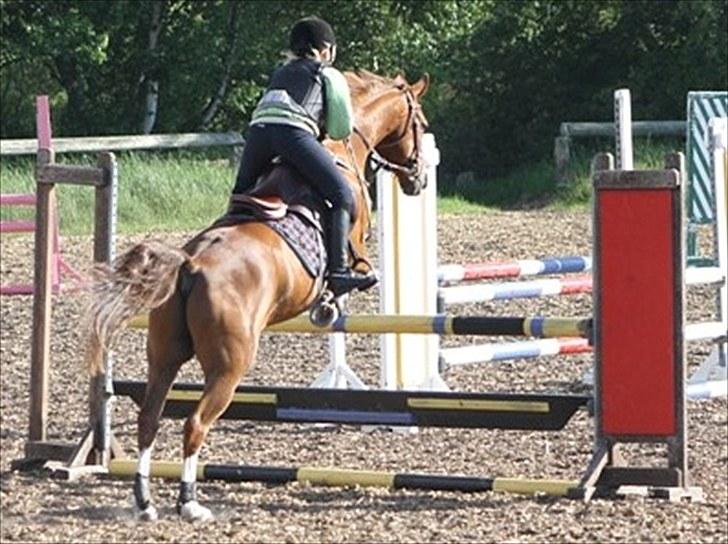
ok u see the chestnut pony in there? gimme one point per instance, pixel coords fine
(214, 297)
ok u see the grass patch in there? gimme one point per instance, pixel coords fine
(524, 187)
(186, 190)
(649, 154)
(157, 191)
(457, 205)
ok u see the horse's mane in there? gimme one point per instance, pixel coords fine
(364, 83)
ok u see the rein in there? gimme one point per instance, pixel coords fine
(366, 202)
(362, 182)
(412, 168)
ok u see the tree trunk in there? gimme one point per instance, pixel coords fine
(150, 75)
(229, 57)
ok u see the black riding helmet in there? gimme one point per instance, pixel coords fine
(310, 33)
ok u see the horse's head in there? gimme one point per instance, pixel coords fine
(396, 142)
(401, 150)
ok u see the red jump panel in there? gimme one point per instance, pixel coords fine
(637, 311)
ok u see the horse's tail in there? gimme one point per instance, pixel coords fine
(138, 281)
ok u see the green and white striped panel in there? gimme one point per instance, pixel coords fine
(702, 106)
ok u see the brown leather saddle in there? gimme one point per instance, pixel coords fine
(280, 191)
(286, 203)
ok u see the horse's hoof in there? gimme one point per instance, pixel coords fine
(194, 511)
(148, 514)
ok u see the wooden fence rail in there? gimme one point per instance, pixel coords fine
(95, 144)
(569, 130)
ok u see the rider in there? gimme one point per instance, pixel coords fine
(306, 100)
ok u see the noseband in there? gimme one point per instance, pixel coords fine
(414, 165)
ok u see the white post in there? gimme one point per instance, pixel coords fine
(623, 129)
(711, 379)
(719, 147)
(386, 234)
(407, 229)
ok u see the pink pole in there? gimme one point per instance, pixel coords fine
(55, 257)
(15, 199)
(17, 226)
(43, 122)
(43, 128)
(24, 289)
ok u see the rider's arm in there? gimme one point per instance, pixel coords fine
(339, 113)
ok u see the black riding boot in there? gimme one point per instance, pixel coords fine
(342, 278)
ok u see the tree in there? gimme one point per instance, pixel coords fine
(504, 74)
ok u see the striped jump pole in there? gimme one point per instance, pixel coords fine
(483, 353)
(349, 478)
(506, 291)
(540, 327)
(512, 269)
(412, 283)
(468, 292)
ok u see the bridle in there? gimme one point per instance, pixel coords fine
(414, 165)
(412, 169)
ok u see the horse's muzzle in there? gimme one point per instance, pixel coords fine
(413, 185)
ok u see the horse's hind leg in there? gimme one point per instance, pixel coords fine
(168, 347)
(225, 356)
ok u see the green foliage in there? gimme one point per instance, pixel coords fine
(535, 64)
(504, 73)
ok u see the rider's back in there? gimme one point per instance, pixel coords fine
(295, 96)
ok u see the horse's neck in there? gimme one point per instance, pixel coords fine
(379, 116)
(375, 120)
(376, 117)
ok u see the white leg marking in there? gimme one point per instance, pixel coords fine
(189, 468)
(144, 465)
(145, 462)
(193, 510)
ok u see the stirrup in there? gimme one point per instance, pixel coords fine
(326, 309)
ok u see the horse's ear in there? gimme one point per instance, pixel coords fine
(420, 88)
